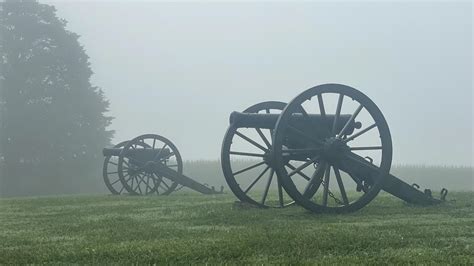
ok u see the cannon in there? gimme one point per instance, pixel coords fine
(328, 150)
(148, 164)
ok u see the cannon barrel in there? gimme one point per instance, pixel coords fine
(140, 152)
(268, 121)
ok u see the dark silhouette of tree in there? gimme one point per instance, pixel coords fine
(52, 122)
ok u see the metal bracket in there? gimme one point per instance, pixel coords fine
(369, 159)
(444, 193)
(428, 192)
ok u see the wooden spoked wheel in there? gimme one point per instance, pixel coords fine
(136, 157)
(110, 172)
(347, 156)
(247, 162)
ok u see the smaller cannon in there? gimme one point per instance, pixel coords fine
(328, 150)
(148, 164)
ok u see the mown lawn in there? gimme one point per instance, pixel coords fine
(190, 228)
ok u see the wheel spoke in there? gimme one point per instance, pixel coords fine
(248, 168)
(341, 185)
(115, 182)
(251, 141)
(367, 148)
(353, 117)
(113, 163)
(139, 183)
(133, 179)
(298, 172)
(315, 181)
(157, 156)
(159, 179)
(301, 167)
(321, 106)
(148, 185)
(267, 187)
(326, 185)
(303, 112)
(162, 186)
(256, 180)
(126, 163)
(246, 154)
(260, 133)
(360, 133)
(109, 173)
(166, 185)
(280, 192)
(154, 183)
(338, 113)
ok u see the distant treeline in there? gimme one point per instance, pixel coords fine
(454, 178)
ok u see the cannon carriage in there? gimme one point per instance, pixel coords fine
(329, 150)
(147, 165)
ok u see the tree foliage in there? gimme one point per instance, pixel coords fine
(53, 121)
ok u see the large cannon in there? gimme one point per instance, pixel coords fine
(148, 164)
(329, 149)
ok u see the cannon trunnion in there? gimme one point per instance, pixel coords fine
(328, 150)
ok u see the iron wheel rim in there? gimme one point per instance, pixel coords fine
(305, 200)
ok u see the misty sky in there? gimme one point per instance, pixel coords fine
(180, 69)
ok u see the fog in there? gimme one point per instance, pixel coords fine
(179, 69)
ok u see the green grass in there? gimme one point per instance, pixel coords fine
(190, 228)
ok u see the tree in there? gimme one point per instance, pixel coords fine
(53, 121)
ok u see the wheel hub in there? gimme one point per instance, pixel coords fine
(149, 167)
(268, 158)
(334, 148)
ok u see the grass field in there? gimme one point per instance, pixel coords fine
(190, 228)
